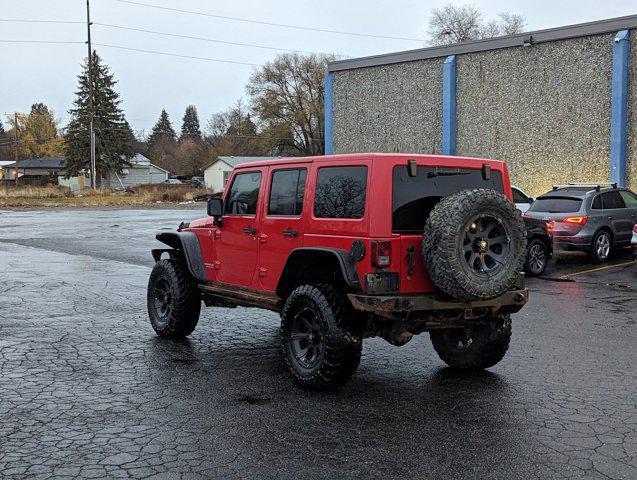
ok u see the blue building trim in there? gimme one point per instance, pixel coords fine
(327, 101)
(449, 106)
(619, 109)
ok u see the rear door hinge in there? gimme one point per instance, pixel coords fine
(411, 260)
(216, 265)
(263, 272)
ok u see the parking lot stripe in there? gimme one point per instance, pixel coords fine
(590, 270)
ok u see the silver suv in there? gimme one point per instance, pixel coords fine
(591, 218)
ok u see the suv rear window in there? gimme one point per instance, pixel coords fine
(415, 197)
(340, 192)
(556, 205)
(612, 200)
(286, 192)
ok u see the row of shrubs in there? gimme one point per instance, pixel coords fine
(143, 193)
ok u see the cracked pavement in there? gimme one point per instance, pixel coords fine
(88, 391)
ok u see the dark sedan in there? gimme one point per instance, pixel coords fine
(539, 247)
(588, 218)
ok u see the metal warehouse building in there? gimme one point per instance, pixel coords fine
(558, 105)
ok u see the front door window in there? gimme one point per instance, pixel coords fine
(237, 246)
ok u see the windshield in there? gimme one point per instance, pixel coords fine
(556, 205)
(415, 197)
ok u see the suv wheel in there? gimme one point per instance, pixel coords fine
(174, 303)
(601, 246)
(319, 352)
(474, 347)
(536, 258)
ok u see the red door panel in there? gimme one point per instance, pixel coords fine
(281, 222)
(236, 244)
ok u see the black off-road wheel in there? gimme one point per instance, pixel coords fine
(537, 257)
(474, 244)
(173, 300)
(475, 347)
(319, 351)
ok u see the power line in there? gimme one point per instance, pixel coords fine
(259, 22)
(168, 34)
(20, 20)
(40, 41)
(155, 52)
(212, 40)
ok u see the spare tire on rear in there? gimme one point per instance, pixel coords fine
(474, 244)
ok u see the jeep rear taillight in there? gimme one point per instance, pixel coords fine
(381, 254)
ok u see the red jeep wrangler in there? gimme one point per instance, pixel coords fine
(348, 247)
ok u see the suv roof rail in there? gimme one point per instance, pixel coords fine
(597, 185)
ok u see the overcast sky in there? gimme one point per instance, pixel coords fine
(148, 82)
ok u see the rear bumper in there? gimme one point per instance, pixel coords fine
(576, 243)
(432, 309)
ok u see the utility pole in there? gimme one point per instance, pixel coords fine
(90, 95)
(16, 146)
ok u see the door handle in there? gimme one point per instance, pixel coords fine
(250, 230)
(290, 233)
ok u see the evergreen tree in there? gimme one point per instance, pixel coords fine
(162, 131)
(190, 128)
(162, 143)
(113, 135)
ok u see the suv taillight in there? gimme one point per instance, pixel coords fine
(579, 220)
(381, 254)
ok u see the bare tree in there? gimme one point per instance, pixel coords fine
(454, 24)
(457, 24)
(511, 23)
(287, 95)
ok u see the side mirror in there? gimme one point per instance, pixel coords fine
(215, 207)
(531, 199)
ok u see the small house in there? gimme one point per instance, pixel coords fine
(141, 172)
(217, 173)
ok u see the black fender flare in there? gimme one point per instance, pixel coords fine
(343, 258)
(188, 244)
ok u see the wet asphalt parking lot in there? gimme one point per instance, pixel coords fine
(88, 391)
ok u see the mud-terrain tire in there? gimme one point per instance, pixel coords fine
(319, 352)
(537, 257)
(173, 300)
(474, 244)
(473, 348)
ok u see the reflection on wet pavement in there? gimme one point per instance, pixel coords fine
(88, 390)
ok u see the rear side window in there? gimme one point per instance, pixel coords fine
(630, 199)
(243, 195)
(519, 197)
(556, 205)
(612, 200)
(340, 192)
(414, 197)
(597, 203)
(286, 192)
